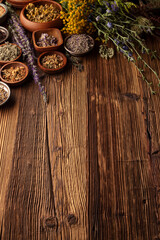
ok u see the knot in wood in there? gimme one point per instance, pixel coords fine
(51, 222)
(72, 219)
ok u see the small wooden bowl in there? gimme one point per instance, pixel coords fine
(51, 31)
(19, 3)
(4, 16)
(14, 64)
(4, 62)
(6, 34)
(33, 26)
(7, 89)
(48, 70)
(75, 53)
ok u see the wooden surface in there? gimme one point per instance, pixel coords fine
(87, 165)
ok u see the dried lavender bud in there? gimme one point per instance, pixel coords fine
(9, 52)
(46, 40)
(79, 43)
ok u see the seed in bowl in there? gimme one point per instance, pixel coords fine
(3, 95)
(13, 74)
(41, 13)
(46, 40)
(52, 61)
(9, 52)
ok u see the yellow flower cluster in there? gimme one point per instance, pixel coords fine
(75, 17)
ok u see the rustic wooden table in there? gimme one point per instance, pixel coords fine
(85, 166)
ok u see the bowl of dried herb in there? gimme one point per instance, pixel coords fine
(52, 62)
(78, 44)
(4, 93)
(9, 52)
(41, 15)
(47, 40)
(14, 73)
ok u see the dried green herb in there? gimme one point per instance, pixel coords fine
(9, 52)
(106, 52)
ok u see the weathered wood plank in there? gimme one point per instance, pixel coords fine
(122, 202)
(86, 166)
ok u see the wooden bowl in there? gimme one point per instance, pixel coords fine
(6, 34)
(4, 62)
(51, 31)
(7, 89)
(33, 26)
(48, 70)
(19, 3)
(76, 54)
(4, 16)
(14, 64)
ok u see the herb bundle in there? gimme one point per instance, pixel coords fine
(23, 41)
(114, 21)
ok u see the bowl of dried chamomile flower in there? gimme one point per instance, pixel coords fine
(14, 73)
(52, 62)
(41, 15)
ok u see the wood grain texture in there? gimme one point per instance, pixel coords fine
(85, 166)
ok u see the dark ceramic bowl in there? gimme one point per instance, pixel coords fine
(76, 54)
(19, 3)
(4, 16)
(50, 31)
(7, 89)
(48, 70)
(14, 64)
(6, 34)
(4, 62)
(34, 26)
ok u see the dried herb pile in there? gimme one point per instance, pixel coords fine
(3, 95)
(9, 52)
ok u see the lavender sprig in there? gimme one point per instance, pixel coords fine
(20, 37)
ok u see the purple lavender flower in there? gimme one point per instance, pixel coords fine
(109, 25)
(22, 40)
(121, 50)
(125, 47)
(114, 7)
(117, 41)
(108, 11)
(106, 3)
(130, 54)
(97, 18)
